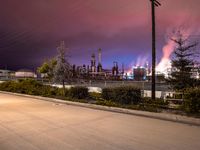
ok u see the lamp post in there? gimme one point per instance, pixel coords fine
(154, 3)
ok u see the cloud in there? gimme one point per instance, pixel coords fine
(31, 29)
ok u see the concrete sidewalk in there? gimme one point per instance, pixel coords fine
(161, 116)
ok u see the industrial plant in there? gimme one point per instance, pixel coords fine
(96, 71)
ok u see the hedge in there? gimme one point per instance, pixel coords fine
(79, 92)
(122, 95)
(160, 103)
(28, 86)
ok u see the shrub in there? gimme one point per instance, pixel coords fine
(14, 86)
(108, 93)
(95, 96)
(127, 95)
(107, 103)
(148, 107)
(59, 92)
(48, 91)
(160, 103)
(192, 101)
(10, 86)
(28, 86)
(122, 95)
(79, 92)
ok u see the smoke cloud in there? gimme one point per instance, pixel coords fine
(169, 48)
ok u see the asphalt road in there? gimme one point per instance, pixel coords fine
(31, 124)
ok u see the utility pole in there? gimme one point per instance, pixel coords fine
(154, 3)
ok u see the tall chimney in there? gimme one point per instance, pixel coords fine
(99, 67)
(93, 63)
(99, 54)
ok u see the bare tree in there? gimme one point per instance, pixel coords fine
(63, 69)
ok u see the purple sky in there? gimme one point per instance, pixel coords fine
(30, 30)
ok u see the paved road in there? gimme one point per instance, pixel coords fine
(30, 124)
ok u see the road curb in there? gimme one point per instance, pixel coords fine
(161, 116)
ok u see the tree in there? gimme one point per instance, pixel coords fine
(63, 69)
(47, 68)
(182, 63)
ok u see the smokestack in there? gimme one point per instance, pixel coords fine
(122, 68)
(99, 54)
(99, 67)
(93, 63)
(115, 70)
(93, 57)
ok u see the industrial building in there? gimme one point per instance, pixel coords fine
(96, 71)
(5, 74)
(24, 73)
(139, 73)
